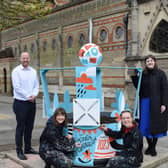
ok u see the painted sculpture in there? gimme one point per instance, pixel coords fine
(86, 112)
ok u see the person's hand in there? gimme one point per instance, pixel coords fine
(132, 72)
(78, 144)
(69, 136)
(163, 108)
(32, 98)
(103, 127)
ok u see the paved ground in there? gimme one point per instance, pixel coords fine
(8, 157)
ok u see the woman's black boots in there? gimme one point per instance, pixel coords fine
(148, 150)
(151, 150)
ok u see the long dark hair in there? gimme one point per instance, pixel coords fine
(152, 57)
(60, 111)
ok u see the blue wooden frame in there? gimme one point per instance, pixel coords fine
(92, 134)
(48, 107)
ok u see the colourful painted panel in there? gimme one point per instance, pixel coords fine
(90, 55)
(86, 110)
(86, 82)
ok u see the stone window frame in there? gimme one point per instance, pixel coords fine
(70, 41)
(98, 35)
(53, 43)
(32, 48)
(121, 36)
(119, 31)
(25, 48)
(16, 50)
(103, 35)
(158, 38)
(82, 42)
(44, 45)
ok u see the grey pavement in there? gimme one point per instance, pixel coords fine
(8, 158)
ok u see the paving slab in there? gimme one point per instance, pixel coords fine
(8, 163)
(162, 154)
(34, 161)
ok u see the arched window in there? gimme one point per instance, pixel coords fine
(103, 35)
(25, 48)
(32, 48)
(82, 39)
(15, 51)
(53, 45)
(119, 31)
(159, 38)
(44, 45)
(70, 41)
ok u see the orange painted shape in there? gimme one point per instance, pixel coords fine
(81, 53)
(117, 117)
(87, 154)
(88, 46)
(84, 79)
(90, 87)
(111, 139)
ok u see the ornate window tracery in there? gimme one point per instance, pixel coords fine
(159, 38)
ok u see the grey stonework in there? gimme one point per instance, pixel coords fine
(71, 20)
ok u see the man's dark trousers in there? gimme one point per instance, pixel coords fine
(25, 116)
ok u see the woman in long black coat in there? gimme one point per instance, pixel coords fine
(55, 147)
(153, 103)
(130, 152)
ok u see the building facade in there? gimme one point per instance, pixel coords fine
(126, 30)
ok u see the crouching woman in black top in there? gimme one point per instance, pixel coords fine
(130, 153)
(56, 148)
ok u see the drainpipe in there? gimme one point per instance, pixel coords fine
(134, 28)
(60, 56)
(90, 30)
(0, 40)
(38, 51)
(19, 45)
(125, 20)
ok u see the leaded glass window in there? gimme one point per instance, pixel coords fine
(25, 47)
(53, 46)
(70, 41)
(82, 39)
(159, 38)
(32, 47)
(16, 51)
(44, 45)
(103, 35)
(119, 32)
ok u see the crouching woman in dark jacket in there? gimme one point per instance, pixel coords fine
(55, 147)
(130, 153)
